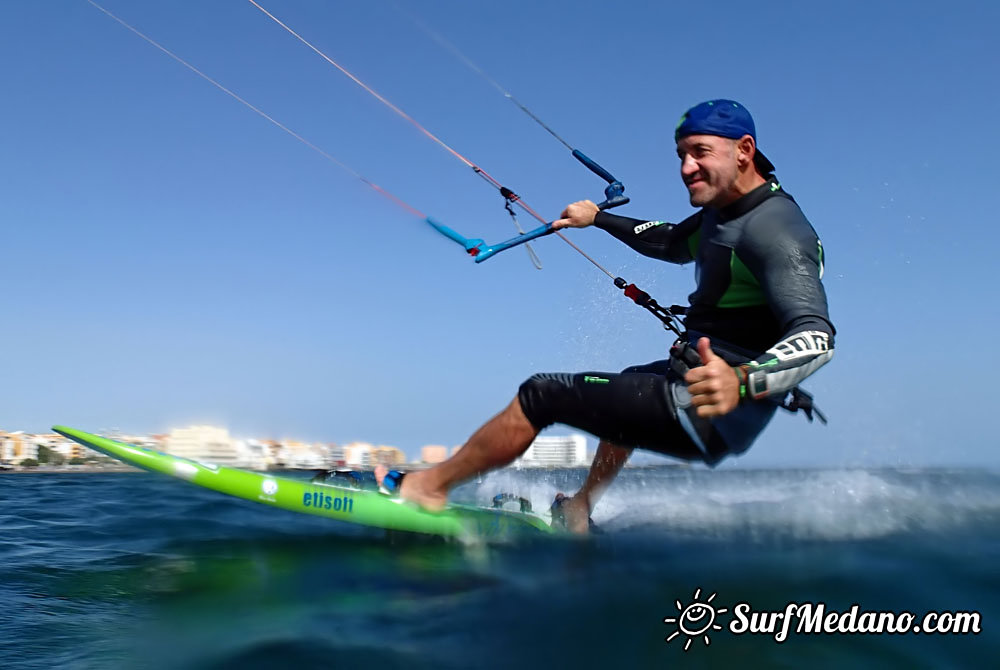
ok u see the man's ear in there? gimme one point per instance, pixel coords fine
(745, 150)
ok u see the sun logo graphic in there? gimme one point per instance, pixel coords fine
(697, 619)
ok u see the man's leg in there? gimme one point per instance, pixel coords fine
(498, 442)
(630, 408)
(608, 462)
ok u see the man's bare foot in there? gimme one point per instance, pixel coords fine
(413, 488)
(576, 513)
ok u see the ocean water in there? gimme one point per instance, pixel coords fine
(141, 571)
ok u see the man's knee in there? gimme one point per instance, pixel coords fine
(537, 396)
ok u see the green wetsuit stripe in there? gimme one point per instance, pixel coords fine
(744, 290)
(693, 240)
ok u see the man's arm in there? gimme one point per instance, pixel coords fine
(783, 252)
(675, 243)
(656, 239)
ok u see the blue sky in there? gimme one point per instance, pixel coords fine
(171, 257)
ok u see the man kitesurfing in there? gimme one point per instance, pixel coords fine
(756, 327)
(757, 324)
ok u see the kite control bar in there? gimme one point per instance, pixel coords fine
(478, 248)
(481, 251)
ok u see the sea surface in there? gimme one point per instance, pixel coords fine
(135, 570)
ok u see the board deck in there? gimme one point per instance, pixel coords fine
(368, 508)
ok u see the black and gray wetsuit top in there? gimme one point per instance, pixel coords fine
(759, 294)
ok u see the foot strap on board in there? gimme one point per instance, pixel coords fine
(501, 499)
(354, 479)
(391, 483)
(559, 514)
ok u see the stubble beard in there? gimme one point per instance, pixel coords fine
(702, 199)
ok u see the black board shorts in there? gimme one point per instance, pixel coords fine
(644, 406)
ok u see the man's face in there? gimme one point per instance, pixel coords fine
(709, 169)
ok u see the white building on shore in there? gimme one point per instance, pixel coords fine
(304, 455)
(433, 453)
(359, 454)
(555, 451)
(204, 443)
(254, 454)
(17, 446)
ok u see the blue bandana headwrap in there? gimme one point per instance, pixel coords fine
(724, 118)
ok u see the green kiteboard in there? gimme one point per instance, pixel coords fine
(360, 506)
